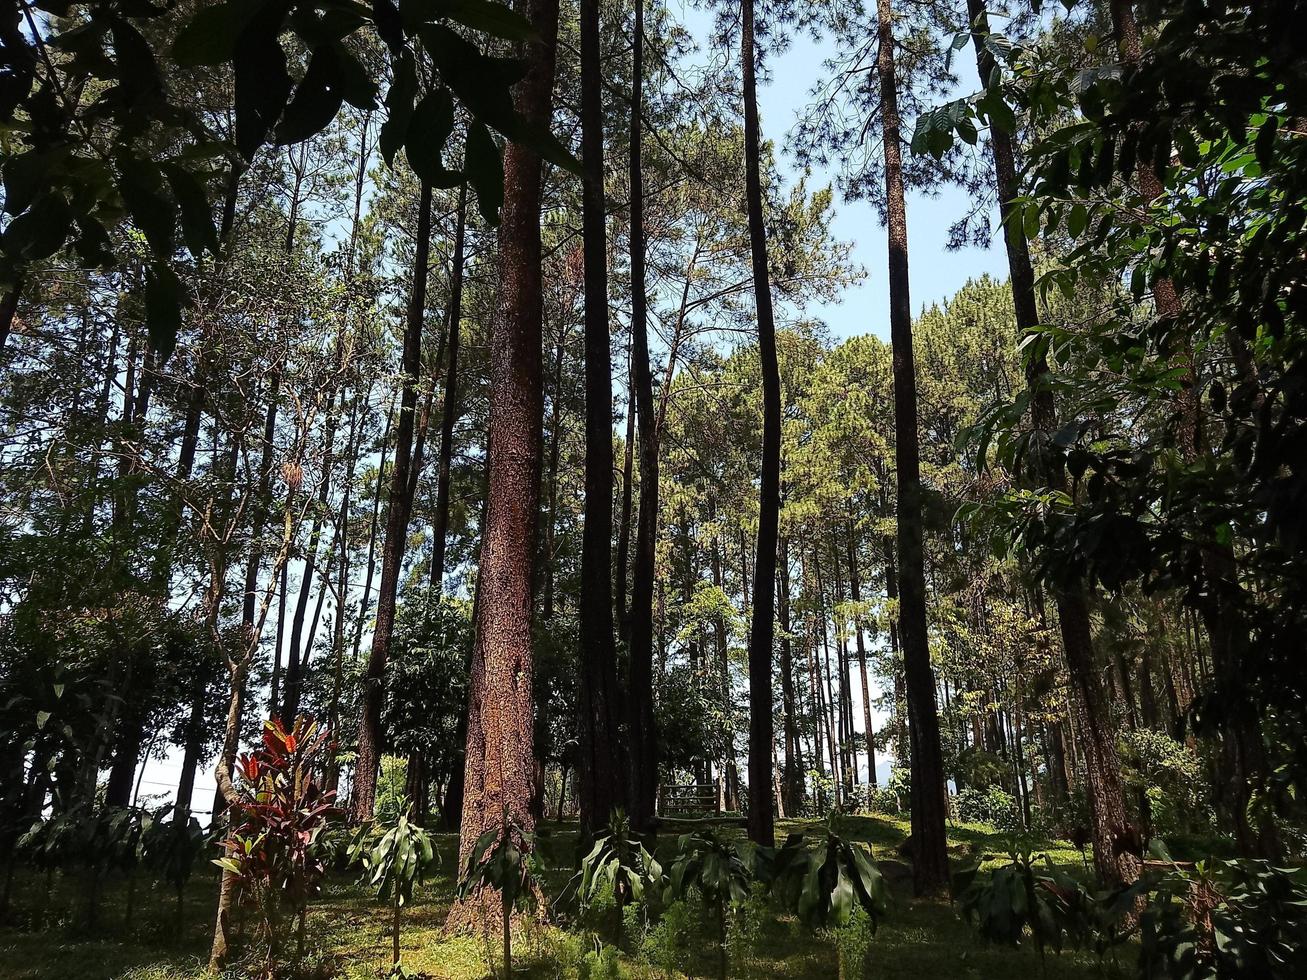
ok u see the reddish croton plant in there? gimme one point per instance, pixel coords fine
(281, 814)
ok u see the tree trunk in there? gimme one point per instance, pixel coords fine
(596, 770)
(366, 598)
(929, 802)
(398, 505)
(792, 771)
(761, 828)
(623, 560)
(499, 771)
(642, 728)
(297, 655)
(449, 406)
(1107, 802)
(855, 593)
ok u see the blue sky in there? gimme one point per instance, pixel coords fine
(935, 273)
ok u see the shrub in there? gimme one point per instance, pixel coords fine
(853, 945)
(1225, 919)
(599, 964)
(882, 799)
(503, 859)
(618, 871)
(992, 805)
(1028, 897)
(1169, 781)
(714, 868)
(280, 813)
(667, 945)
(396, 856)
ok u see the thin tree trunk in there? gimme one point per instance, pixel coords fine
(761, 826)
(449, 406)
(596, 771)
(366, 598)
(298, 653)
(238, 666)
(929, 803)
(623, 559)
(551, 477)
(855, 593)
(792, 771)
(398, 506)
(1107, 803)
(642, 728)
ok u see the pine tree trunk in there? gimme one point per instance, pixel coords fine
(761, 828)
(622, 562)
(295, 659)
(398, 506)
(449, 406)
(855, 593)
(597, 778)
(500, 765)
(929, 802)
(642, 729)
(366, 599)
(1107, 811)
(792, 770)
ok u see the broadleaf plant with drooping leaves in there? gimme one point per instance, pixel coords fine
(396, 856)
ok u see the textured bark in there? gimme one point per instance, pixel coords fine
(598, 784)
(929, 804)
(449, 406)
(398, 506)
(499, 779)
(761, 826)
(641, 726)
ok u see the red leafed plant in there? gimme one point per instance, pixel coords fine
(276, 824)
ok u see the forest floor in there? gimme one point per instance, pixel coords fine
(348, 930)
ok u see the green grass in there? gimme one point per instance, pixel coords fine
(348, 931)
